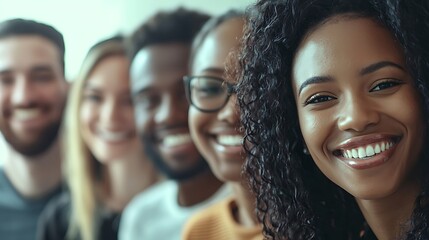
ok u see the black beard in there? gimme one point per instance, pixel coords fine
(43, 143)
(158, 161)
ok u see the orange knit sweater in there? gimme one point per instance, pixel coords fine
(217, 223)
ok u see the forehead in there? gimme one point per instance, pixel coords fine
(159, 65)
(21, 53)
(217, 45)
(110, 73)
(351, 43)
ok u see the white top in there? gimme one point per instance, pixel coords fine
(156, 215)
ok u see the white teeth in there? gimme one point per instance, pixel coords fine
(175, 140)
(113, 136)
(354, 153)
(349, 154)
(230, 140)
(377, 149)
(25, 114)
(361, 152)
(367, 151)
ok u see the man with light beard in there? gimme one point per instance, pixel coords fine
(159, 52)
(32, 97)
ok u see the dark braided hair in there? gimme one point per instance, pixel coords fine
(294, 199)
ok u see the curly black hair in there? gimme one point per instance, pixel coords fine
(294, 199)
(178, 26)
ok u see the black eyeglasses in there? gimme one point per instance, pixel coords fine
(208, 94)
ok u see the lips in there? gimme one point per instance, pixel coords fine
(366, 152)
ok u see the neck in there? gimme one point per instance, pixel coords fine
(125, 178)
(388, 217)
(246, 215)
(198, 188)
(34, 177)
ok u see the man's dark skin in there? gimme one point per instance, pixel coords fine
(161, 112)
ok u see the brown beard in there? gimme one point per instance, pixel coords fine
(44, 141)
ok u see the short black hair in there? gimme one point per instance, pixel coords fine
(20, 27)
(211, 25)
(178, 26)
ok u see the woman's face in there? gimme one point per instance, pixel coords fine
(359, 112)
(217, 134)
(106, 113)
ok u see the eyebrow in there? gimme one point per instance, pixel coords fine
(42, 69)
(34, 69)
(376, 66)
(140, 91)
(214, 70)
(314, 80)
(5, 72)
(366, 70)
(88, 86)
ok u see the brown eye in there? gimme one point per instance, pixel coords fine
(6, 80)
(92, 97)
(385, 84)
(318, 99)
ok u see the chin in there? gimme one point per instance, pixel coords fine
(371, 193)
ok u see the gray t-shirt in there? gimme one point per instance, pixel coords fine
(18, 216)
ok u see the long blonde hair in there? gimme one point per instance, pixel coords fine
(81, 168)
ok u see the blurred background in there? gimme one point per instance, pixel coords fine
(85, 22)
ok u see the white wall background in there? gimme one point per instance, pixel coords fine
(85, 22)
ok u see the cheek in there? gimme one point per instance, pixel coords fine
(314, 129)
(318, 128)
(4, 99)
(87, 115)
(143, 120)
(411, 110)
(198, 123)
(128, 115)
(196, 120)
(56, 93)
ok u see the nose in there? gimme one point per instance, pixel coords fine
(230, 112)
(357, 114)
(22, 93)
(111, 113)
(172, 111)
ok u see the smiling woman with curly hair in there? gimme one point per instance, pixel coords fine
(334, 102)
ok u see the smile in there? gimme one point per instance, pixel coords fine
(368, 150)
(364, 153)
(113, 136)
(26, 114)
(176, 140)
(230, 140)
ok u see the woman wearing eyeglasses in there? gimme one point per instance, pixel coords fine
(215, 127)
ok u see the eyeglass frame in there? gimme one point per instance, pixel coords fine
(230, 89)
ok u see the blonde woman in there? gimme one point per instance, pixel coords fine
(105, 164)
